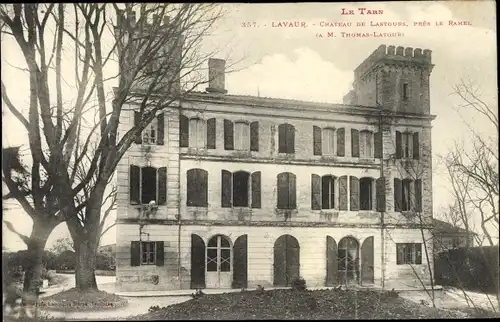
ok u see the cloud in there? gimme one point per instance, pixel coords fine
(303, 76)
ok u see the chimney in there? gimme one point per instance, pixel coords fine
(216, 76)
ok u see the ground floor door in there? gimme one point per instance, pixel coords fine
(286, 260)
(348, 261)
(367, 262)
(219, 262)
(331, 262)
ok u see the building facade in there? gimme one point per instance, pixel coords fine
(228, 191)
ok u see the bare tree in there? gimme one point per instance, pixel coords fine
(78, 156)
(474, 172)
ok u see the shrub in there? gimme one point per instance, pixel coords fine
(260, 289)
(105, 261)
(199, 293)
(155, 308)
(299, 284)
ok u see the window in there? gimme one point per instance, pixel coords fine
(148, 184)
(149, 133)
(218, 254)
(241, 136)
(146, 253)
(328, 192)
(366, 193)
(407, 195)
(407, 145)
(196, 133)
(366, 144)
(153, 133)
(197, 188)
(409, 253)
(239, 189)
(286, 134)
(328, 141)
(405, 92)
(286, 191)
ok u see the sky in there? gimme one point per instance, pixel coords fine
(293, 63)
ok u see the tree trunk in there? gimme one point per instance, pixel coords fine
(85, 265)
(87, 241)
(33, 269)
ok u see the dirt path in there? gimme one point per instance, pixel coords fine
(135, 305)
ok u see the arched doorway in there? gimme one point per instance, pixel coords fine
(286, 260)
(219, 262)
(197, 262)
(348, 261)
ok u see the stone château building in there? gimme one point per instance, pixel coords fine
(254, 191)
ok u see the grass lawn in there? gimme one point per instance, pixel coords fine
(76, 300)
(293, 304)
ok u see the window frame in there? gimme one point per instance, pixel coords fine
(371, 188)
(153, 126)
(332, 192)
(410, 254)
(153, 251)
(329, 141)
(241, 139)
(405, 92)
(197, 133)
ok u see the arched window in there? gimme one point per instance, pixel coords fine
(218, 254)
(366, 194)
(366, 144)
(286, 138)
(286, 191)
(197, 188)
(328, 192)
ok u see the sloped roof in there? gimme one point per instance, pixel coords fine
(445, 227)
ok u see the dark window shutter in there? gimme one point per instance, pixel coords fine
(418, 254)
(134, 181)
(254, 136)
(317, 140)
(282, 138)
(341, 142)
(203, 182)
(398, 194)
(161, 129)
(227, 189)
(399, 147)
(290, 139)
(292, 193)
(160, 260)
(416, 146)
(343, 193)
(137, 120)
(228, 135)
(135, 253)
(418, 195)
(315, 192)
(256, 194)
(211, 130)
(380, 186)
(354, 189)
(377, 140)
(162, 186)
(354, 143)
(183, 131)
